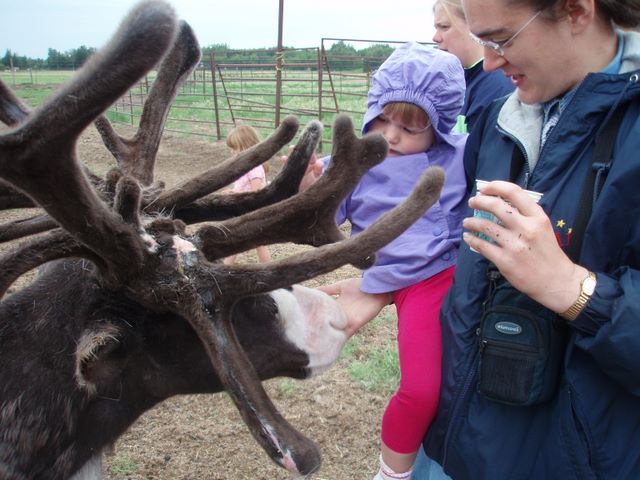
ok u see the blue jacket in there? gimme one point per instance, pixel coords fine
(591, 427)
(482, 88)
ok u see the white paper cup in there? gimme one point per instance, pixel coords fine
(490, 216)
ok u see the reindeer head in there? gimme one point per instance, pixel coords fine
(154, 262)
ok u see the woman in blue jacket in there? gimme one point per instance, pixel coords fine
(575, 276)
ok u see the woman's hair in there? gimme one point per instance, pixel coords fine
(407, 112)
(623, 13)
(452, 7)
(242, 137)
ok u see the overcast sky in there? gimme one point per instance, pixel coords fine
(31, 27)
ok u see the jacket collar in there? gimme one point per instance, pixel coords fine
(524, 122)
(631, 53)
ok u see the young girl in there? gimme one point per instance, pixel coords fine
(239, 139)
(414, 101)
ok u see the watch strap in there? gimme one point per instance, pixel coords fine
(574, 310)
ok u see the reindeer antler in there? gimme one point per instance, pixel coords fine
(51, 246)
(40, 152)
(227, 284)
(221, 175)
(205, 293)
(12, 109)
(153, 264)
(313, 210)
(137, 156)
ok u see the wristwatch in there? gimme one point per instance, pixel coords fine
(587, 287)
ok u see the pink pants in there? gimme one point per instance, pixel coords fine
(413, 406)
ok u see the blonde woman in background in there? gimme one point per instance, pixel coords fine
(452, 35)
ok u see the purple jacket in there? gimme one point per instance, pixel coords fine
(433, 80)
(431, 244)
(425, 76)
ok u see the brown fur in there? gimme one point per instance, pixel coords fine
(142, 289)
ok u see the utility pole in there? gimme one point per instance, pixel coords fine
(279, 63)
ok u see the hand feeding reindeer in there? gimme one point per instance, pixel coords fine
(131, 310)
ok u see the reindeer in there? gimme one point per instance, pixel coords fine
(127, 308)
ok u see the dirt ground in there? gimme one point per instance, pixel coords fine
(203, 436)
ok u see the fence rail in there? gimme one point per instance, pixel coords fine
(219, 95)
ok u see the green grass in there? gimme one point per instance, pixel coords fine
(35, 77)
(353, 348)
(380, 372)
(34, 95)
(375, 369)
(287, 386)
(253, 99)
(124, 466)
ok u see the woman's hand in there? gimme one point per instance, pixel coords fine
(358, 306)
(525, 250)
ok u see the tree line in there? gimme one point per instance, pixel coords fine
(341, 56)
(56, 60)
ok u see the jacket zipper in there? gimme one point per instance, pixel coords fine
(505, 347)
(518, 144)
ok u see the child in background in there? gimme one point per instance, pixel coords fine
(239, 139)
(414, 101)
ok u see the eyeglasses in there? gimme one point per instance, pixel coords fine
(498, 47)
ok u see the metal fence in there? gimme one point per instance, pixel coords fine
(219, 95)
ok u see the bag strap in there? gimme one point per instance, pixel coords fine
(602, 158)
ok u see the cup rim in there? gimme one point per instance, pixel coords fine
(533, 194)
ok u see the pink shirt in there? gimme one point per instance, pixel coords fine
(243, 184)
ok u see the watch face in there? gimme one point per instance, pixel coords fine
(589, 285)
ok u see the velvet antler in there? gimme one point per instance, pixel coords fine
(40, 152)
(136, 157)
(308, 218)
(154, 263)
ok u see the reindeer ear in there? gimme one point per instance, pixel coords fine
(92, 356)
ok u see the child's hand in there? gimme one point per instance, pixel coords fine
(314, 170)
(358, 306)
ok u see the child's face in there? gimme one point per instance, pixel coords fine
(403, 138)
